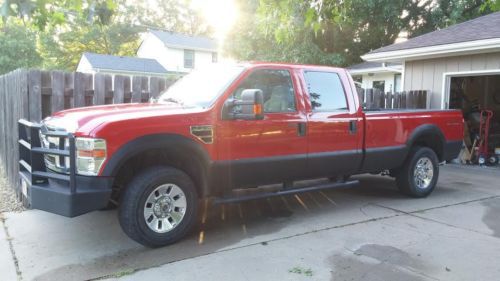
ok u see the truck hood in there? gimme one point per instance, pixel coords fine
(83, 120)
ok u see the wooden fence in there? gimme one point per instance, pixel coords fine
(376, 99)
(35, 94)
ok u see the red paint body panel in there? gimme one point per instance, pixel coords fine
(393, 128)
(276, 135)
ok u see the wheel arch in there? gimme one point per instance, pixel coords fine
(172, 149)
(428, 135)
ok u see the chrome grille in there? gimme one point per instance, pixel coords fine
(53, 162)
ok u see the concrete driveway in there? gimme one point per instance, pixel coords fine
(370, 232)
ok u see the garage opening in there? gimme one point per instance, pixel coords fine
(479, 99)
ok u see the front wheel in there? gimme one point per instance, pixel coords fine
(159, 206)
(419, 174)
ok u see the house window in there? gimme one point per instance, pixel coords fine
(379, 85)
(397, 83)
(214, 57)
(188, 59)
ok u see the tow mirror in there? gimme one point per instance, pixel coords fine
(251, 106)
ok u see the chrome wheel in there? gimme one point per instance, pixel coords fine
(423, 173)
(165, 208)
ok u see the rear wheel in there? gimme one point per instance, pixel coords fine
(419, 174)
(159, 206)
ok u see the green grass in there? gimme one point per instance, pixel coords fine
(302, 271)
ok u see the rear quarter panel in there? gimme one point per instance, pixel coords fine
(387, 134)
(393, 128)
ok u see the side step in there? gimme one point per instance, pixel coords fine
(330, 185)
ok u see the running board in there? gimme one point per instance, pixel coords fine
(330, 185)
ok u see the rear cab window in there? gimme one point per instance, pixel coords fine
(326, 91)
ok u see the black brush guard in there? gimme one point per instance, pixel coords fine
(66, 194)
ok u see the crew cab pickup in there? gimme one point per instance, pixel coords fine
(221, 129)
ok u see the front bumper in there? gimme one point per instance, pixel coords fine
(69, 194)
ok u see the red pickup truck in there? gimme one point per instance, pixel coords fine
(221, 129)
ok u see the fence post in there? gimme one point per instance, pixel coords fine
(388, 100)
(57, 85)
(136, 89)
(35, 95)
(154, 87)
(424, 99)
(119, 89)
(397, 100)
(99, 88)
(369, 98)
(145, 89)
(80, 84)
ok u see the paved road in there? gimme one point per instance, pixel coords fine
(370, 232)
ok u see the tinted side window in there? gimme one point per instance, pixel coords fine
(276, 86)
(325, 90)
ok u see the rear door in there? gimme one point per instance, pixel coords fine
(334, 124)
(271, 150)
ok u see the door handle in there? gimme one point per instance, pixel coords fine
(353, 127)
(301, 129)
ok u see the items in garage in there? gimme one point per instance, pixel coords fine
(479, 99)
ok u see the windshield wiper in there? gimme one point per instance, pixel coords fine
(172, 100)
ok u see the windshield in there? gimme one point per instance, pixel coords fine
(202, 86)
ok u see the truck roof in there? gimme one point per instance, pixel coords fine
(290, 65)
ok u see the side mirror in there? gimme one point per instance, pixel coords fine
(251, 105)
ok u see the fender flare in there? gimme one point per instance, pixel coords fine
(428, 130)
(158, 141)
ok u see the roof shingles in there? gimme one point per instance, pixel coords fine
(186, 41)
(485, 27)
(124, 63)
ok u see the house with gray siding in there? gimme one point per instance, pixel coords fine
(459, 67)
(452, 64)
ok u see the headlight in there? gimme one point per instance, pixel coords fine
(90, 155)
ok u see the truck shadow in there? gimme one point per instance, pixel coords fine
(221, 227)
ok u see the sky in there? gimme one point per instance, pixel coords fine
(220, 14)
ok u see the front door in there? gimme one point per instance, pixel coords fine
(272, 150)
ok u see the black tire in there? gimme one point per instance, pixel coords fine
(405, 177)
(133, 200)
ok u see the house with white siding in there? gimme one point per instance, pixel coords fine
(375, 75)
(178, 52)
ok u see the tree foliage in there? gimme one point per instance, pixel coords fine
(338, 32)
(54, 33)
(17, 49)
(59, 31)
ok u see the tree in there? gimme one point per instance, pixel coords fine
(256, 36)
(172, 15)
(338, 32)
(17, 49)
(444, 13)
(64, 29)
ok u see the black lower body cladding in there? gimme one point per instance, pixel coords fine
(451, 150)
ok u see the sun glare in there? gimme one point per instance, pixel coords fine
(219, 14)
